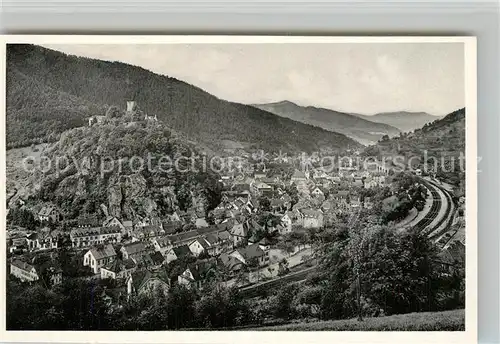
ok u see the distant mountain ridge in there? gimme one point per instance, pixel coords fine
(49, 88)
(360, 129)
(404, 120)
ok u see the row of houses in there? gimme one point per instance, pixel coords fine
(104, 259)
(141, 279)
(225, 266)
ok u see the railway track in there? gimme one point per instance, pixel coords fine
(262, 288)
(424, 224)
(445, 217)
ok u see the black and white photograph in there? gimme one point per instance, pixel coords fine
(239, 184)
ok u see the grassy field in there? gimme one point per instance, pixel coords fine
(438, 321)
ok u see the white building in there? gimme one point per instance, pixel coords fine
(96, 258)
(286, 224)
(199, 246)
(24, 271)
(86, 237)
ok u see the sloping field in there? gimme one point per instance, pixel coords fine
(426, 321)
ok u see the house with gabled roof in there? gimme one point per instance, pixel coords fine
(118, 269)
(31, 240)
(47, 240)
(139, 222)
(97, 120)
(286, 224)
(312, 218)
(229, 196)
(261, 188)
(221, 241)
(178, 252)
(49, 212)
(150, 260)
(320, 174)
(170, 228)
(188, 216)
(134, 250)
(317, 191)
(296, 216)
(198, 273)
(269, 181)
(157, 259)
(230, 264)
(212, 243)
(199, 246)
(146, 233)
(175, 217)
(280, 204)
(184, 237)
(265, 245)
(112, 221)
(17, 245)
(216, 243)
(99, 256)
(24, 271)
(252, 226)
(251, 255)
(239, 233)
(145, 282)
(162, 244)
(239, 203)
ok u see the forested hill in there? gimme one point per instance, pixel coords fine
(48, 92)
(442, 140)
(360, 129)
(96, 167)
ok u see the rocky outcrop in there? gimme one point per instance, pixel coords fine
(115, 198)
(82, 187)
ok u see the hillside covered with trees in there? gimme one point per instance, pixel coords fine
(436, 147)
(128, 167)
(48, 92)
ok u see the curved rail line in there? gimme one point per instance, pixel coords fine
(445, 217)
(424, 224)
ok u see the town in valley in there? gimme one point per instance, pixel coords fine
(283, 227)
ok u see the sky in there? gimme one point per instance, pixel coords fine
(366, 78)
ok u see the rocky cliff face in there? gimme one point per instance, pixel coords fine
(115, 199)
(82, 188)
